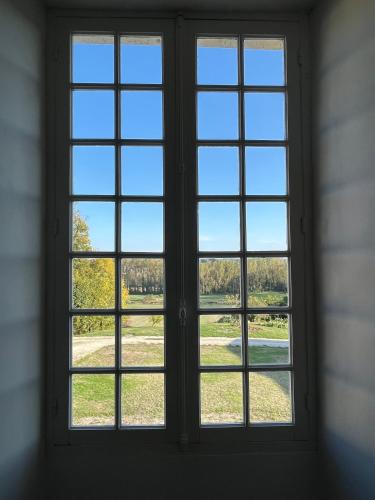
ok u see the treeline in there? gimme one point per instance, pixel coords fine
(143, 276)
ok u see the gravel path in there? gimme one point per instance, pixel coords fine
(88, 345)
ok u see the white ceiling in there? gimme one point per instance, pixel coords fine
(188, 5)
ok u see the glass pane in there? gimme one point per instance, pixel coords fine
(220, 339)
(93, 400)
(142, 170)
(264, 116)
(217, 61)
(141, 59)
(93, 226)
(142, 283)
(93, 283)
(141, 114)
(142, 227)
(93, 58)
(93, 169)
(142, 399)
(270, 399)
(93, 114)
(265, 170)
(268, 339)
(93, 341)
(267, 281)
(219, 283)
(142, 340)
(218, 170)
(264, 61)
(217, 115)
(221, 398)
(266, 225)
(219, 226)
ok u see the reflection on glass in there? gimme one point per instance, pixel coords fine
(141, 59)
(220, 339)
(266, 225)
(218, 170)
(93, 283)
(142, 399)
(93, 114)
(270, 397)
(93, 400)
(92, 58)
(265, 170)
(264, 116)
(142, 227)
(142, 170)
(268, 336)
(219, 226)
(219, 283)
(142, 283)
(93, 341)
(217, 115)
(93, 226)
(217, 61)
(221, 398)
(142, 340)
(141, 114)
(93, 169)
(267, 282)
(263, 61)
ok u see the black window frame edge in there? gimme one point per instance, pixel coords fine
(259, 438)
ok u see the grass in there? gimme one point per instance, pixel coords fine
(143, 394)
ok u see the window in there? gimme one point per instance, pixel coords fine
(179, 269)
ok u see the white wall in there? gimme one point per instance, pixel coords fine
(21, 241)
(343, 41)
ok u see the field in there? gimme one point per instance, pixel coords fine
(221, 393)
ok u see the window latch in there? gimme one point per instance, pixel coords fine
(182, 313)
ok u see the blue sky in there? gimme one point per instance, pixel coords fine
(93, 167)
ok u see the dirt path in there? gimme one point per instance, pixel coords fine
(88, 345)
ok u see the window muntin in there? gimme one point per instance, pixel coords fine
(243, 235)
(117, 360)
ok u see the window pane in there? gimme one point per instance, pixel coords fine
(264, 61)
(93, 58)
(264, 116)
(93, 226)
(218, 170)
(265, 170)
(93, 169)
(93, 400)
(142, 170)
(217, 115)
(93, 341)
(219, 226)
(142, 227)
(220, 339)
(93, 114)
(219, 283)
(142, 283)
(267, 281)
(141, 114)
(221, 398)
(142, 399)
(268, 339)
(93, 283)
(142, 340)
(217, 61)
(266, 224)
(270, 397)
(141, 59)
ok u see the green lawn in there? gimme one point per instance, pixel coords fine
(143, 394)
